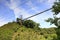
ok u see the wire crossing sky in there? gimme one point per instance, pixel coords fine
(11, 9)
(38, 13)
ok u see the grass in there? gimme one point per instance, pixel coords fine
(13, 31)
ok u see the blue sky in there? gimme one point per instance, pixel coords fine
(11, 9)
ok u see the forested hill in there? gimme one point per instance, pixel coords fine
(13, 31)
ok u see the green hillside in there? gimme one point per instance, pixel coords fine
(13, 31)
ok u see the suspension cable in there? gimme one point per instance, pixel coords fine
(38, 14)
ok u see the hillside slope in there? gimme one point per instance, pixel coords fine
(13, 31)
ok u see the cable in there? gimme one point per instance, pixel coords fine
(38, 14)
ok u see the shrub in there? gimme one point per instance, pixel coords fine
(30, 24)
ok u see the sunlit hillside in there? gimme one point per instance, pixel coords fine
(13, 31)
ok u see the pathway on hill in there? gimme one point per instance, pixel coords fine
(15, 34)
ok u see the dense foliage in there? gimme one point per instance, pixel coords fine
(30, 24)
(56, 8)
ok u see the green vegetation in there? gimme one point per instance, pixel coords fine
(29, 30)
(7, 31)
(31, 34)
(30, 24)
(13, 29)
(56, 20)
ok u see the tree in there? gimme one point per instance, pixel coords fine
(56, 10)
(56, 7)
(30, 24)
(19, 21)
(56, 20)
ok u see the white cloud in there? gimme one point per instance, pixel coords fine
(20, 11)
(41, 1)
(47, 2)
(58, 15)
(14, 5)
(2, 23)
(50, 2)
(30, 4)
(2, 19)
